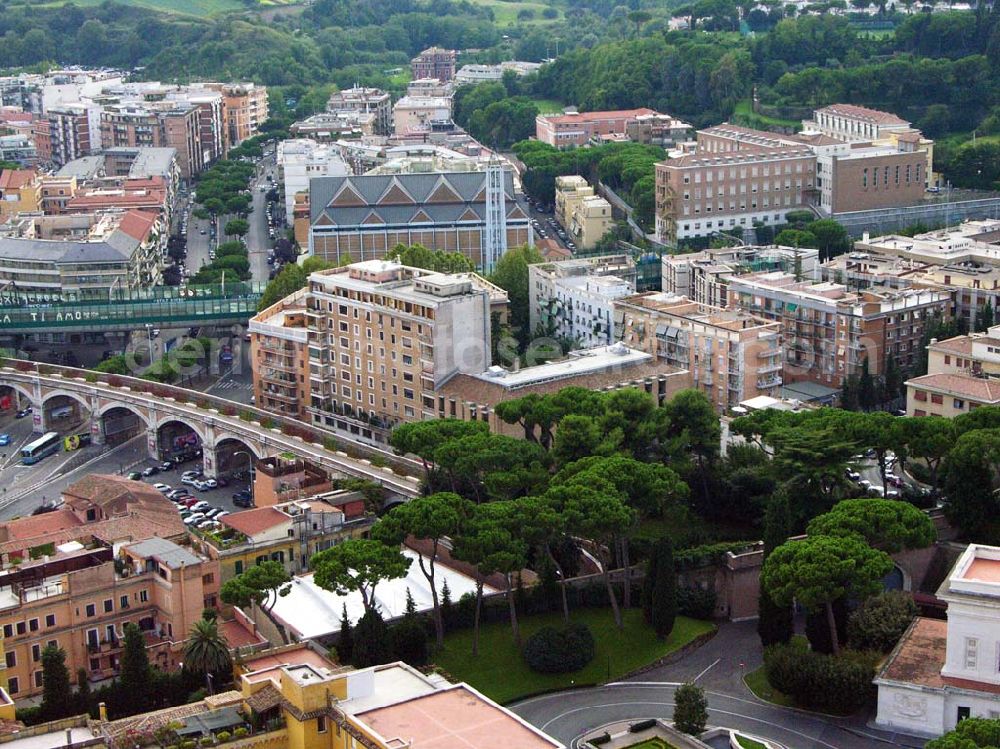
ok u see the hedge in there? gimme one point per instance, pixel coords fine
(836, 684)
(562, 650)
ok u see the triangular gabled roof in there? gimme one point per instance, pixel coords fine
(373, 218)
(515, 212)
(420, 217)
(395, 194)
(444, 193)
(470, 215)
(347, 196)
(324, 220)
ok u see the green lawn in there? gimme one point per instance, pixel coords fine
(652, 743)
(547, 106)
(748, 743)
(757, 682)
(744, 108)
(202, 8)
(505, 13)
(500, 672)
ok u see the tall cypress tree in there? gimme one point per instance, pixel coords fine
(136, 675)
(57, 697)
(663, 607)
(83, 695)
(345, 643)
(775, 624)
(647, 586)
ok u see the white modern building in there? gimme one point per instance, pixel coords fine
(574, 299)
(416, 114)
(944, 671)
(303, 159)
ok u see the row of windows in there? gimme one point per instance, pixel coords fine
(34, 625)
(885, 176)
(743, 205)
(765, 187)
(754, 172)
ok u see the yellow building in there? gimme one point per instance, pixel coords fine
(20, 192)
(300, 700)
(584, 215)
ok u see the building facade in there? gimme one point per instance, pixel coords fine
(364, 100)
(580, 128)
(573, 299)
(829, 331)
(731, 356)
(584, 215)
(434, 62)
(302, 160)
(365, 217)
(20, 192)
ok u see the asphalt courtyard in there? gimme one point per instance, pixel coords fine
(717, 666)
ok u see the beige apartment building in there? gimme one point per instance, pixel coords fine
(74, 577)
(363, 100)
(963, 373)
(245, 109)
(381, 337)
(279, 352)
(583, 214)
(167, 124)
(20, 192)
(703, 277)
(434, 62)
(580, 128)
(63, 134)
(707, 192)
(730, 355)
(829, 330)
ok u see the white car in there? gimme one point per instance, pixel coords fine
(209, 524)
(193, 518)
(865, 484)
(190, 481)
(163, 488)
(200, 506)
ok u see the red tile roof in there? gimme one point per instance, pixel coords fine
(34, 526)
(961, 344)
(137, 224)
(972, 388)
(614, 114)
(864, 113)
(13, 179)
(252, 522)
(238, 636)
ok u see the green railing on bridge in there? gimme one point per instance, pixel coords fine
(160, 305)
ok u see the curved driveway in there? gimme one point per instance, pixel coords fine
(718, 666)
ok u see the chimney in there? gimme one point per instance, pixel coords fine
(102, 711)
(517, 364)
(865, 236)
(69, 737)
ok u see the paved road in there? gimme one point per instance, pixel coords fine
(718, 666)
(258, 241)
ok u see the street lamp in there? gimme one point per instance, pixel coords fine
(149, 337)
(250, 460)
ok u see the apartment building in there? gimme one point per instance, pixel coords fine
(363, 100)
(861, 178)
(245, 107)
(573, 299)
(962, 374)
(829, 331)
(962, 260)
(331, 127)
(301, 160)
(75, 576)
(366, 217)
(658, 130)
(380, 337)
(434, 62)
(20, 192)
(707, 192)
(474, 397)
(289, 532)
(57, 191)
(166, 124)
(584, 215)
(147, 195)
(574, 128)
(418, 115)
(703, 277)
(18, 148)
(730, 355)
(82, 256)
(63, 133)
(279, 352)
(471, 74)
(942, 672)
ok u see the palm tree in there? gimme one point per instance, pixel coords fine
(207, 651)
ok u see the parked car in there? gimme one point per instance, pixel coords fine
(190, 501)
(151, 471)
(22, 413)
(189, 480)
(4, 440)
(134, 476)
(201, 506)
(865, 484)
(193, 518)
(853, 475)
(212, 483)
(242, 494)
(167, 465)
(209, 524)
(222, 514)
(163, 488)
(178, 493)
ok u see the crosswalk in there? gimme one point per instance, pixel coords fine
(232, 385)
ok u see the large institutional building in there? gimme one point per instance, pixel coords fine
(364, 218)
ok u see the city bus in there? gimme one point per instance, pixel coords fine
(45, 445)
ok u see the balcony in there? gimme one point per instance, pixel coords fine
(774, 366)
(770, 382)
(768, 353)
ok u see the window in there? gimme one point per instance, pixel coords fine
(38, 678)
(971, 652)
(12, 685)
(143, 596)
(50, 620)
(36, 652)
(21, 629)
(33, 625)
(123, 602)
(8, 630)
(11, 658)
(238, 567)
(937, 398)
(963, 713)
(959, 404)
(920, 395)
(321, 724)
(91, 609)
(109, 606)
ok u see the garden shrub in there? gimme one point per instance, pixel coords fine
(553, 650)
(189, 744)
(881, 621)
(240, 732)
(696, 603)
(408, 641)
(837, 684)
(604, 738)
(223, 736)
(642, 725)
(207, 741)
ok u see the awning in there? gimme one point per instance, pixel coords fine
(213, 720)
(672, 332)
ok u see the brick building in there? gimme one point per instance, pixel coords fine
(580, 128)
(434, 62)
